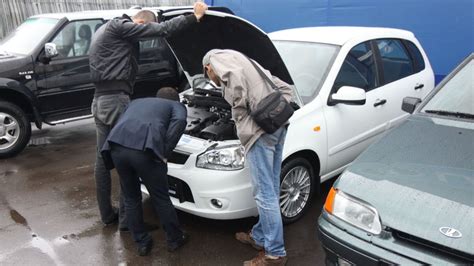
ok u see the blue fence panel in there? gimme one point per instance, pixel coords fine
(444, 27)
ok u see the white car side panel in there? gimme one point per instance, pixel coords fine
(302, 133)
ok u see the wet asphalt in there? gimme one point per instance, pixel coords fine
(49, 215)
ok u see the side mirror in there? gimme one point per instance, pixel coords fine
(409, 104)
(50, 50)
(348, 95)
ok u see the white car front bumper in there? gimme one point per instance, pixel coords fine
(193, 190)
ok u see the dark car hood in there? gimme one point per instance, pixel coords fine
(11, 65)
(420, 177)
(218, 30)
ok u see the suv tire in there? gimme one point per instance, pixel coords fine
(296, 189)
(15, 129)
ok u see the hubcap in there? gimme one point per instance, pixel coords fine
(9, 131)
(294, 191)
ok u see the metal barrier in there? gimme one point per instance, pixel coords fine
(14, 12)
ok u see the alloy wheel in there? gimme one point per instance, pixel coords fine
(9, 131)
(295, 191)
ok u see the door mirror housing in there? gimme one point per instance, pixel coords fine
(348, 95)
(50, 50)
(409, 104)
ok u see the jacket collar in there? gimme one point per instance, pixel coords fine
(125, 16)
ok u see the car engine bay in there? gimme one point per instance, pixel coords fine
(209, 115)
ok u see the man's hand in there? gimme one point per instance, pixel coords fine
(199, 9)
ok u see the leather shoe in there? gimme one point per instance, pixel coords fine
(145, 249)
(148, 227)
(114, 219)
(179, 243)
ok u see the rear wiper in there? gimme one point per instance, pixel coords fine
(448, 113)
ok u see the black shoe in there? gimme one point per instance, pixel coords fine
(114, 219)
(148, 227)
(145, 249)
(124, 229)
(183, 240)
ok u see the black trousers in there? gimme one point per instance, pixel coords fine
(132, 165)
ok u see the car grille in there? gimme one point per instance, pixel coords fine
(178, 157)
(180, 190)
(464, 258)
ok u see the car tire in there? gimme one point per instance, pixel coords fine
(296, 189)
(15, 129)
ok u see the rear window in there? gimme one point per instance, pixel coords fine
(396, 62)
(418, 61)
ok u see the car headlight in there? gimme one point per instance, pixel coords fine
(353, 211)
(225, 158)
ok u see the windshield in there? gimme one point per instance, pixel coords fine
(27, 36)
(308, 64)
(455, 98)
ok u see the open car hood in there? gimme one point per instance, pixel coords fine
(218, 30)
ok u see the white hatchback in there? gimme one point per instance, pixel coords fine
(349, 82)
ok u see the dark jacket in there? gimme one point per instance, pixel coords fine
(148, 124)
(114, 48)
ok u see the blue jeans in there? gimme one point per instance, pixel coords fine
(264, 159)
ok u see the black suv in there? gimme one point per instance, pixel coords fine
(44, 72)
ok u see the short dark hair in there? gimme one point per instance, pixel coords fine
(146, 15)
(168, 93)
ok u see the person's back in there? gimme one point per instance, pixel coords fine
(150, 124)
(107, 45)
(115, 47)
(138, 146)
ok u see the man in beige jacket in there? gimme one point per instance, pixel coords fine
(244, 87)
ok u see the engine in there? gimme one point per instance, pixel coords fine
(209, 115)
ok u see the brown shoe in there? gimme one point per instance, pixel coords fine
(246, 238)
(263, 259)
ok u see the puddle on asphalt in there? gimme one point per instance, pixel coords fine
(45, 247)
(8, 173)
(18, 218)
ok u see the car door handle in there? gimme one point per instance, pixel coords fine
(380, 102)
(419, 86)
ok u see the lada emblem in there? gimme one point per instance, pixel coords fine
(450, 232)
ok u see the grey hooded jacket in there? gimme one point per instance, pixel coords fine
(114, 48)
(244, 87)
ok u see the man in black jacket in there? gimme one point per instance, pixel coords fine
(113, 66)
(138, 146)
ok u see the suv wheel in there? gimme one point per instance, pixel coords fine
(296, 189)
(15, 130)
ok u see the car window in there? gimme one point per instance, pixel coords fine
(155, 55)
(456, 97)
(308, 64)
(358, 69)
(75, 38)
(418, 61)
(28, 35)
(396, 63)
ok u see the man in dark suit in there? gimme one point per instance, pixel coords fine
(138, 146)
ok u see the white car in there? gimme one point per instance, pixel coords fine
(349, 81)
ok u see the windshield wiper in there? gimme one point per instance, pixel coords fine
(448, 113)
